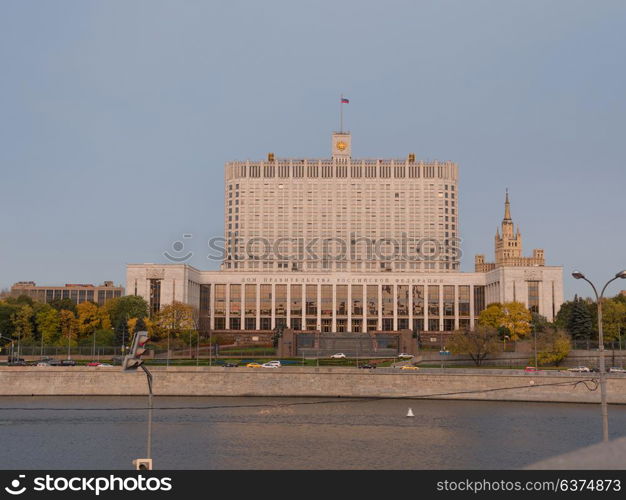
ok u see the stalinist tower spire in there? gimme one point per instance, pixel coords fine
(507, 207)
(509, 246)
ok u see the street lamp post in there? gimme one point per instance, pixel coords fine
(603, 398)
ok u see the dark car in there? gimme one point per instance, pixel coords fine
(368, 367)
(230, 365)
(62, 362)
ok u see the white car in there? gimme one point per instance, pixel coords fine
(106, 365)
(339, 355)
(404, 355)
(270, 365)
(579, 369)
(277, 363)
(615, 369)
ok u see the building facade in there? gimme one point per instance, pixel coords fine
(387, 204)
(341, 214)
(76, 292)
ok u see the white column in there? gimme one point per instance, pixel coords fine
(334, 321)
(258, 306)
(380, 307)
(273, 311)
(472, 321)
(349, 305)
(441, 308)
(395, 306)
(242, 307)
(303, 295)
(426, 326)
(411, 307)
(227, 306)
(288, 285)
(456, 307)
(211, 306)
(319, 306)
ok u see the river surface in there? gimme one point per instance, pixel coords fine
(298, 433)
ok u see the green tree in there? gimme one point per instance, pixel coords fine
(7, 311)
(122, 309)
(23, 324)
(539, 323)
(48, 324)
(580, 321)
(176, 319)
(477, 343)
(552, 347)
(565, 312)
(21, 300)
(104, 338)
(613, 318)
(65, 304)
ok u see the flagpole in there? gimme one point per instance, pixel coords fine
(341, 114)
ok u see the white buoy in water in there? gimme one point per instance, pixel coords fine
(410, 413)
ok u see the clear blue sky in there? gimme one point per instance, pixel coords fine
(116, 118)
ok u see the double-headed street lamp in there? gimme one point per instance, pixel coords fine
(603, 403)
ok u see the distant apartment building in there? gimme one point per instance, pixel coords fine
(76, 292)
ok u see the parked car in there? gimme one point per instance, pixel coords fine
(367, 366)
(62, 362)
(42, 363)
(277, 363)
(93, 363)
(230, 365)
(579, 369)
(338, 355)
(106, 365)
(253, 365)
(409, 367)
(404, 355)
(615, 369)
(270, 365)
(530, 369)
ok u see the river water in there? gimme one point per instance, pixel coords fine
(251, 433)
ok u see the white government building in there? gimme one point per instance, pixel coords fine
(348, 245)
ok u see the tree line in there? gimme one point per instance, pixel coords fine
(512, 321)
(28, 322)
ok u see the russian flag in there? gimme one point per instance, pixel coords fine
(344, 100)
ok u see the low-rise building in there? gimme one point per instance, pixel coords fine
(77, 292)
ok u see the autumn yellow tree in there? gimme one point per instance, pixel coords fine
(22, 323)
(553, 347)
(88, 318)
(131, 325)
(176, 318)
(514, 316)
(69, 328)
